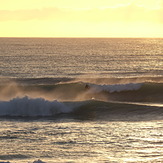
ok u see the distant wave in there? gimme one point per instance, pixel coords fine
(81, 90)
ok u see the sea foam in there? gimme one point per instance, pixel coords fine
(32, 107)
(116, 87)
(38, 161)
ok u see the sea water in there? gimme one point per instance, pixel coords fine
(81, 100)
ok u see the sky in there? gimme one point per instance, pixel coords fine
(81, 18)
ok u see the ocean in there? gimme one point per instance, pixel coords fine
(81, 100)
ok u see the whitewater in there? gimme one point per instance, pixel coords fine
(81, 100)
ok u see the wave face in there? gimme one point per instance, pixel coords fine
(42, 97)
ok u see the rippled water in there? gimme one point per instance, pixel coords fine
(75, 57)
(80, 141)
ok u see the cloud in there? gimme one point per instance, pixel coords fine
(127, 13)
(123, 13)
(23, 15)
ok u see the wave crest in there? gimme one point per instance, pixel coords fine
(117, 87)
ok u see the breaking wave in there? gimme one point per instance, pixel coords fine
(39, 107)
(82, 90)
(40, 97)
(32, 107)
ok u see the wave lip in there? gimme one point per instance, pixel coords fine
(32, 107)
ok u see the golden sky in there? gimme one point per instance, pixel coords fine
(81, 18)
